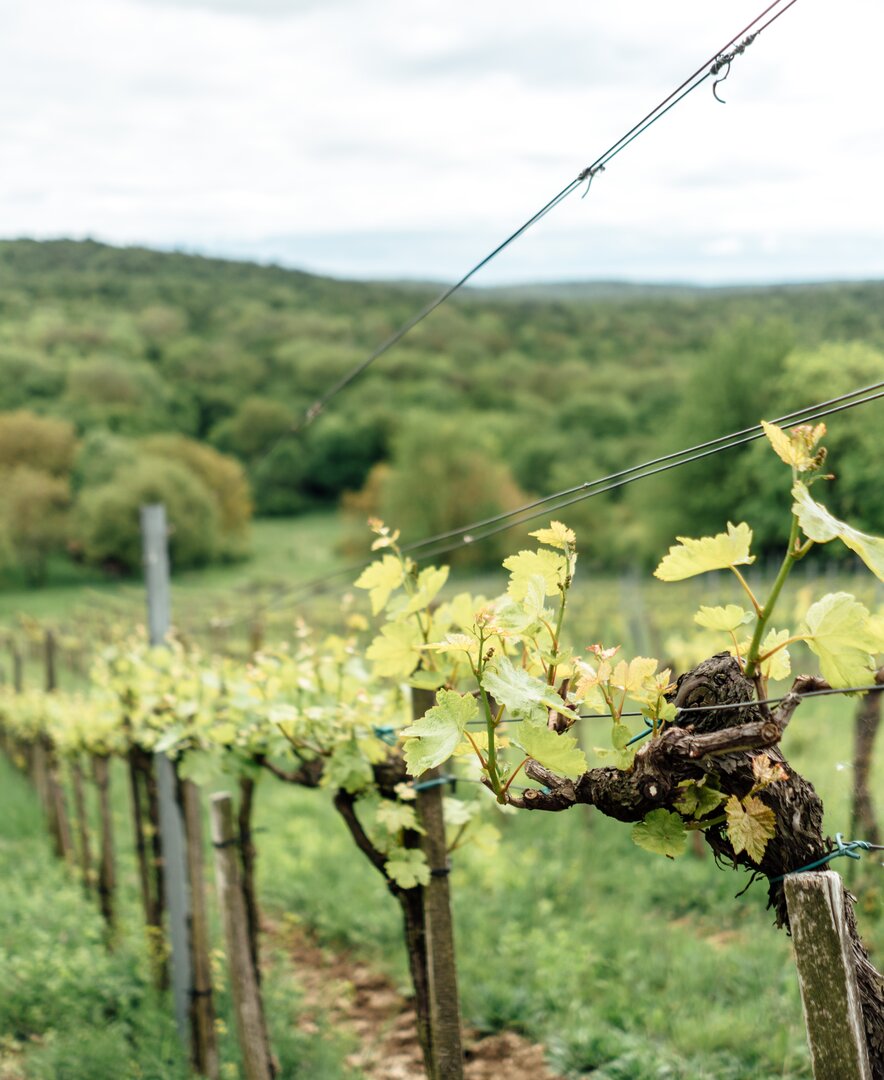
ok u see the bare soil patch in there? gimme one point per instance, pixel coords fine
(356, 998)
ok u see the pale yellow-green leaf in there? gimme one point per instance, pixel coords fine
(523, 694)
(796, 447)
(485, 836)
(429, 582)
(463, 609)
(778, 666)
(408, 868)
(727, 619)
(558, 753)
(557, 536)
(548, 565)
(820, 526)
(839, 630)
(394, 652)
(224, 733)
(434, 737)
(381, 579)
(750, 825)
(427, 680)
(509, 617)
(634, 676)
(458, 811)
(690, 557)
(393, 816)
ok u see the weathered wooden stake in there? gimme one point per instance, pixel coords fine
(106, 870)
(827, 976)
(58, 816)
(202, 1009)
(248, 855)
(138, 793)
(250, 1022)
(863, 820)
(156, 572)
(447, 1048)
(18, 677)
(50, 652)
(82, 823)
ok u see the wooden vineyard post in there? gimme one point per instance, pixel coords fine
(205, 1048)
(145, 811)
(50, 656)
(59, 825)
(827, 976)
(156, 572)
(248, 856)
(58, 817)
(447, 1048)
(82, 822)
(106, 871)
(250, 1021)
(18, 678)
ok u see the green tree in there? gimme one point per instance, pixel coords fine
(39, 442)
(130, 399)
(853, 440)
(109, 516)
(223, 476)
(34, 511)
(724, 390)
(100, 455)
(438, 479)
(253, 428)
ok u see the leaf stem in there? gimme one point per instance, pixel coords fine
(765, 613)
(749, 593)
(515, 774)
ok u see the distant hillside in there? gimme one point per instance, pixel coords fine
(554, 383)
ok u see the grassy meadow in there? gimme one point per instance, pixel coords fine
(627, 966)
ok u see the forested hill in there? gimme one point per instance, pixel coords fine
(498, 395)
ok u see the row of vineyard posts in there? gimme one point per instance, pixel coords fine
(168, 845)
(413, 853)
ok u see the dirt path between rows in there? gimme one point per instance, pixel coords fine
(359, 1000)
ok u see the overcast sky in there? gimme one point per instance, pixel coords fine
(405, 138)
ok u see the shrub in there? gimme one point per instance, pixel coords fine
(99, 456)
(439, 478)
(222, 476)
(109, 515)
(34, 511)
(39, 442)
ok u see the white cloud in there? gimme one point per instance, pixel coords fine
(224, 124)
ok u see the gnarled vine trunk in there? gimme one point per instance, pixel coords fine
(864, 821)
(717, 744)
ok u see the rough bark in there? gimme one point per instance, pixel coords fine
(248, 855)
(864, 821)
(106, 865)
(145, 818)
(411, 903)
(718, 744)
(82, 822)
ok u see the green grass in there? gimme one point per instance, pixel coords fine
(70, 1009)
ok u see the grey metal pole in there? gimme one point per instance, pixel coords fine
(156, 575)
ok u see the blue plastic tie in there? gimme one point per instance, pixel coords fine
(437, 781)
(643, 734)
(851, 850)
(387, 734)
